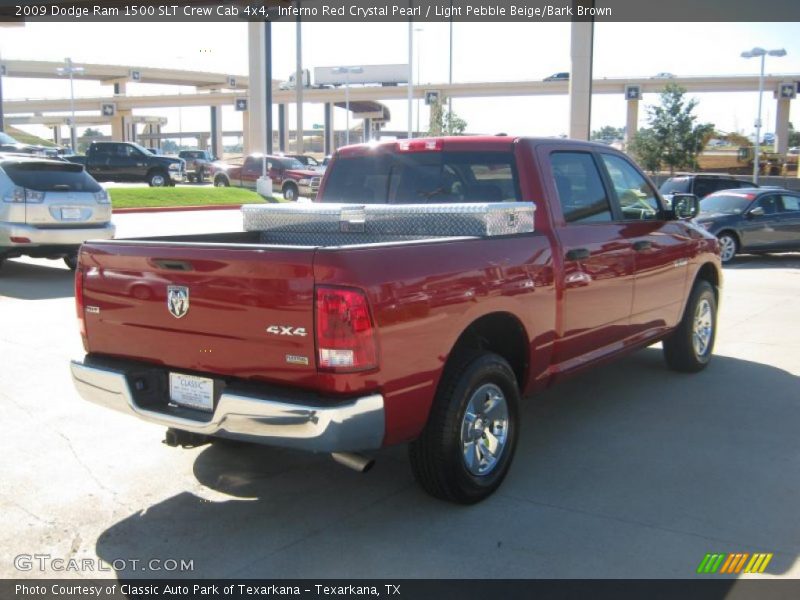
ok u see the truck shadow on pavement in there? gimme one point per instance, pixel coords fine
(625, 471)
(27, 281)
(786, 260)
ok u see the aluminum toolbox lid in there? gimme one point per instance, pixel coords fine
(435, 220)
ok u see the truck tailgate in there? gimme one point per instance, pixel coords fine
(238, 312)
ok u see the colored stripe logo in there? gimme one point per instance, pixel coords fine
(734, 563)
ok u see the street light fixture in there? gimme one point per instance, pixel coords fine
(762, 54)
(347, 71)
(71, 70)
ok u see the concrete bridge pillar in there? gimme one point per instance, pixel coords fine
(632, 121)
(216, 131)
(256, 120)
(283, 131)
(57, 135)
(580, 80)
(782, 126)
(120, 126)
(329, 145)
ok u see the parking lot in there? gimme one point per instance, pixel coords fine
(625, 471)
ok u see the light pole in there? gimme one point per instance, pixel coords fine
(760, 53)
(347, 71)
(410, 84)
(71, 70)
(418, 30)
(450, 75)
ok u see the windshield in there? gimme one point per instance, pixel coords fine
(423, 177)
(727, 204)
(675, 185)
(46, 177)
(7, 139)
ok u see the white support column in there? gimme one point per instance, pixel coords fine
(782, 126)
(632, 121)
(580, 80)
(256, 124)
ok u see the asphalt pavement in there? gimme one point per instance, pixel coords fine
(628, 470)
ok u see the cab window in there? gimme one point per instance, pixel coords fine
(636, 198)
(580, 188)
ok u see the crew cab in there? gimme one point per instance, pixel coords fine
(335, 340)
(126, 161)
(289, 175)
(198, 163)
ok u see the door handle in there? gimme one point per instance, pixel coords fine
(577, 254)
(642, 245)
(173, 265)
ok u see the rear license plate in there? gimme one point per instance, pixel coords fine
(191, 391)
(70, 214)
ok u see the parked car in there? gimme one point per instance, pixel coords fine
(752, 220)
(291, 177)
(701, 185)
(126, 161)
(198, 164)
(49, 207)
(9, 144)
(343, 345)
(663, 75)
(564, 76)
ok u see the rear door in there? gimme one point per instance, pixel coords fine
(238, 312)
(760, 232)
(597, 255)
(250, 172)
(661, 248)
(790, 221)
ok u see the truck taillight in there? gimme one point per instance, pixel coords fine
(80, 305)
(345, 334)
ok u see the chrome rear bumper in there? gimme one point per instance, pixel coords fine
(283, 418)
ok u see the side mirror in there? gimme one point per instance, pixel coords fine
(758, 211)
(685, 206)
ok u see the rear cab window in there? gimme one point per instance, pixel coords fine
(47, 177)
(423, 177)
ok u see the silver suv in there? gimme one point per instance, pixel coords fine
(48, 208)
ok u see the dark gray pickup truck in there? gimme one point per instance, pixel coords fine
(126, 161)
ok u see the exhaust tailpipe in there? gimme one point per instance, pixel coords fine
(351, 460)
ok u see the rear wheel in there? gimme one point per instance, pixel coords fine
(71, 260)
(221, 181)
(690, 346)
(467, 446)
(728, 246)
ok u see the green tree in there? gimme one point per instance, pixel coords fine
(608, 133)
(794, 136)
(445, 122)
(86, 138)
(675, 130)
(646, 149)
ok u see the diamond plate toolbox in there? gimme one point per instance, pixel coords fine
(375, 220)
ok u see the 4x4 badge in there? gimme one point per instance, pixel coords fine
(177, 300)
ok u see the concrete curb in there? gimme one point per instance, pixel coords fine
(156, 209)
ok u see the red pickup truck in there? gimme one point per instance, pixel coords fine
(349, 347)
(289, 176)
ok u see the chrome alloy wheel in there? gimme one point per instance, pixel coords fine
(703, 327)
(484, 429)
(727, 247)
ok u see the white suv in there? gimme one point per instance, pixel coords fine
(48, 208)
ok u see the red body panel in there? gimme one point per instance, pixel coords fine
(422, 296)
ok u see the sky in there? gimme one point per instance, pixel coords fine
(482, 52)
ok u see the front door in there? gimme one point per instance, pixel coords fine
(661, 247)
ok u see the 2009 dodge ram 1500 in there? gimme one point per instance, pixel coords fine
(328, 344)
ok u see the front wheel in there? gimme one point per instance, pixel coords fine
(221, 182)
(690, 346)
(290, 193)
(728, 245)
(157, 179)
(71, 260)
(467, 446)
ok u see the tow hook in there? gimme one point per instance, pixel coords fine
(184, 439)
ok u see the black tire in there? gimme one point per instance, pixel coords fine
(71, 260)
(290, 192)
(728, 240)
(680, 350)
(438, 456)
(158, 178)
(221, 181)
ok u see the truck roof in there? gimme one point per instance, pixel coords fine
(500, 142)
